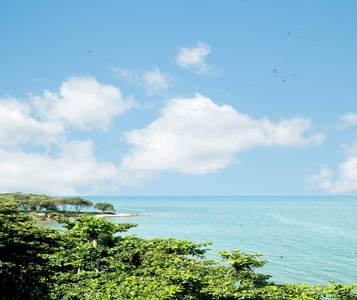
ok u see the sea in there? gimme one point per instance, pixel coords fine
(309, 240)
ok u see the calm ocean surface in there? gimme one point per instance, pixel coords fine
(305, 239)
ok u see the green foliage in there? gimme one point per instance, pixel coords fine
(41, 201)
(34, 202)
(244, 266)
(105, 206)
(30, 201)
(76, 202)
(91, 260)
(23, 270)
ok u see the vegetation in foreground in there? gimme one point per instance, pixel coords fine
(90, 260)
(42, 207)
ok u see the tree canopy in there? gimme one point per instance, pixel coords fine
(90, 259)
(105, 206)
(76, 202)
(40, 203)
(30, 201)
(23, 268)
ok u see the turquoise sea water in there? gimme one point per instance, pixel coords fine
(305, 239)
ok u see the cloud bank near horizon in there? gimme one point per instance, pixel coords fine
(345, 181)
(190, 136)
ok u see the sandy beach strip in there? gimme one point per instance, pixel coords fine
(117, 215)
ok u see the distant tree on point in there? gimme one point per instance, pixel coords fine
(104, 207)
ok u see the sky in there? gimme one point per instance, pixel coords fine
(165, 98)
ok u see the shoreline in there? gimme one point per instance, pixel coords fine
(45, 217)
(117, 215)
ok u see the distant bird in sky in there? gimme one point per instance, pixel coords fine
(90, 51)
(276, 71)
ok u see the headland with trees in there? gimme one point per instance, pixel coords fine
(43, 207)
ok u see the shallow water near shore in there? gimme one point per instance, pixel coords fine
(305, 239)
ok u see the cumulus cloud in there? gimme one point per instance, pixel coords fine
(153, 81)
(347, 175)
(196, 136)
(82, 102)
(18, 127)
(193, 59)
(349, 120)
(72, 170)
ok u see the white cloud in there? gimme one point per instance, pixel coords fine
(196, 136)
(347, 175)
(193, 59)
(75, 168)
(322, 180)
(18, 127)
(349, 119)
(84, 103)
(131, 76)
(153, 81)
(193, 136)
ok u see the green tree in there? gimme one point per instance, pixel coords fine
(104, 206)
(78, 203)
(22, 200)
(85, 246)
(42, 201)
(64, 202)
(23, 269)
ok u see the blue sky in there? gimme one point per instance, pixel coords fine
(178, 97)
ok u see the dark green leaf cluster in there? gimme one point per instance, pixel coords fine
(23, 268)
(91, 260)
